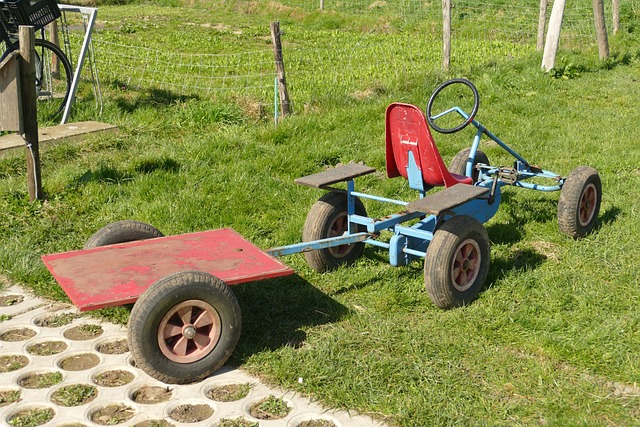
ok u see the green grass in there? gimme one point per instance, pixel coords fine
(554, 338)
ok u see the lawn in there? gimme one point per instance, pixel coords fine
(553, 339)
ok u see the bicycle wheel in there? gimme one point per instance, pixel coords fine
(53, 78)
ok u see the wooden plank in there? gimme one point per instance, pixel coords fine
(11, 111)
(446, 199)
(54, 134)
(118, 274)
(334, 175)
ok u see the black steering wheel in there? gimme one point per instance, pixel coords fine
(476, 103)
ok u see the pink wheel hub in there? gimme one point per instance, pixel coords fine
(338, 228)
(587, 206)
(465, 265)
(189, 331)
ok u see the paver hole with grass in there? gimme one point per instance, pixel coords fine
(74, 395)
(229, 392)
(31, 417)
(269, 408)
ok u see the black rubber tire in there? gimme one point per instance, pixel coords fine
(579, 203)
(472, 115)
(460, 237)
(327, 218)
(124, 231)
(60, 83)
(459, 163)
(147, 318)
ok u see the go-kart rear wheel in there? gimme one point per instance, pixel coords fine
(328, 217)
(184, 327)
(457, 262)
(459, 163)
(121, 232)
(579, 202)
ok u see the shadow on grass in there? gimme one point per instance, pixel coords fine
(109, 175)
(274, 313)
(150, 97)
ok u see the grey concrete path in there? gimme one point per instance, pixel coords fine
(48, 353)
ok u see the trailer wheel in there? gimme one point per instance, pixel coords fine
(579, 202)
(459, 163)
(457, 262)
(122, 231)
(184, 327)
(328, 217)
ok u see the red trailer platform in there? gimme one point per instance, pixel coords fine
(118, 274)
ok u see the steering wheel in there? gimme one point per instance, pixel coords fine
(476, 103)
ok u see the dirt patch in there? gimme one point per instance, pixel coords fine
(114, 378)
(113, 414)
(191, 413)
(47, 348)
(229, 392)
(154, 423)
(151, 394)
(269, 408)
(13, 362)
(43, 380)
(317, 423)
(237, 422)
(79, 362)
(9, 396)
(20, 334)
(9, 300)
(57, 320)
(114, 347)
(74, 395)
(83, 332)
(31, 417)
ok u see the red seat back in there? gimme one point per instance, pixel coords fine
(407, 131)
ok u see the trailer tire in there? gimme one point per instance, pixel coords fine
(457, 262)
(184, 327)
(124, 231)
(328, 218)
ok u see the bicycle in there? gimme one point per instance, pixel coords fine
(53, 69)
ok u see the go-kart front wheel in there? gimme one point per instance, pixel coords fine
(184, 327)
(328, 217)
(579, 202)
(457, 262)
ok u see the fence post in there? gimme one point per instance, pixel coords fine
(542, 21)
(446, 34)
(553, 35)
(321, 4)
(616, 15)
(277, 55)
(601, 29)
(29, 116)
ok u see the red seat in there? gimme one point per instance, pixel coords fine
(410, 145)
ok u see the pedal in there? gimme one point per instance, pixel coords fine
(508, 175)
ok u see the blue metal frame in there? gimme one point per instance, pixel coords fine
(410, 242)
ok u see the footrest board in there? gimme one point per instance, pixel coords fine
(118, 274)
(338, 174)
(447, 199)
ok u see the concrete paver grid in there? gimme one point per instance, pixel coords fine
(73, 361)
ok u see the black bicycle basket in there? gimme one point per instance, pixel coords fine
(25, 12)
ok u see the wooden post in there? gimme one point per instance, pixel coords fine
(446, 34)
(542, 22)
(321, 4)
(11, 111)
(277, 55)
(55, 39)
(616, 15)
(601, 29)
(29, 116)
(553, 35)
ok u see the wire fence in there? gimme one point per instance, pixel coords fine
(346, 65)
